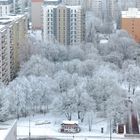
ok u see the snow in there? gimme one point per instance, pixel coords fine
(103, 41)
(70, 122)
(36, 34)
(5, 129)
(3, 134)
(52, 129)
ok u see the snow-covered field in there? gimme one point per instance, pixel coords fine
(52, 129)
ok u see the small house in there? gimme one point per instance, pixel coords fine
(121, 129)
(70, 127)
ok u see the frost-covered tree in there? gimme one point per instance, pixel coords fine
(4, 104)
(22, 95)
(65, 104)
(38, 66)
(100, 88)
(132, 78)
(63, 80)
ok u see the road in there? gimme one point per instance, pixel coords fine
(79, 138)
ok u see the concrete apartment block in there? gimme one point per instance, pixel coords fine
(13, 30)
(36, 14)
(8, 131)
(65, 24)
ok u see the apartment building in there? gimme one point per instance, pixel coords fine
(72, 2)
(105, 8)
(13, 30)
(86, 4)
(65, 24)
(52, 2)
(130, 22)
(36, 14)
(8, 131)
(138, 4)
(5, 7)
(98, 7)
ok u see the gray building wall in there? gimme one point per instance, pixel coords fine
(12, 133)
(36, 15)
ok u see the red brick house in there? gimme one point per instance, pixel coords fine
(70, 127)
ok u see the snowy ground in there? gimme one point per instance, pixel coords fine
(52, 129)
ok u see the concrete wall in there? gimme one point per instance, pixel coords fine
(36, 14)
(12, 133)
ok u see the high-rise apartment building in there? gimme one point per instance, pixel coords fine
(12, 34)
(5, 7)
(66, 24)
(105, 9)
(111, 9)
(138, 4)
(125, 4)
(72, 2)
(36, 14)
(52, 2)
(98, 7)
(86, 4)
(131, 22)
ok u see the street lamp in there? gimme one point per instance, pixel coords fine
(110, 130)
(29, 127)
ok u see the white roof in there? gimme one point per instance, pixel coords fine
(55, 6)
(131, 13)
(1, 26)
(7, 20)
(103, 41)
(70, 122)
(52, 0)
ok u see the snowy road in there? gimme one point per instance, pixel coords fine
(79, 138)
(51, 131)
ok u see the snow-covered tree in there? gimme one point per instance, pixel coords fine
(4, 104)
(132, 78)
(38, 66)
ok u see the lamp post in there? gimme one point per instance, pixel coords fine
(110, 130)
(29, 127)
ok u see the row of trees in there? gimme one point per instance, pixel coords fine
(84, 80)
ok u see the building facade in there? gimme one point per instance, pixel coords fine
(36, 14)
(72, 2)
(8, 131)
(105, 9)
(5, 8)
(13, 30)
(98, 8)
(130, 22)
(70, 127)
(65, 24)
(52, 2)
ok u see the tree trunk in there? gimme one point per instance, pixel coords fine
(133, 91)
(79, 115)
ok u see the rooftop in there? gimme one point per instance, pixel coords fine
(1, 27)
(131, 13)
(70, 122)
(56, 6)
(8, 19)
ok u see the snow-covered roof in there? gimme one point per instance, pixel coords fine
(103, 41)
(131, 13)
(55, 6)
(70, 122)
(1, 26)
(52, 0)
